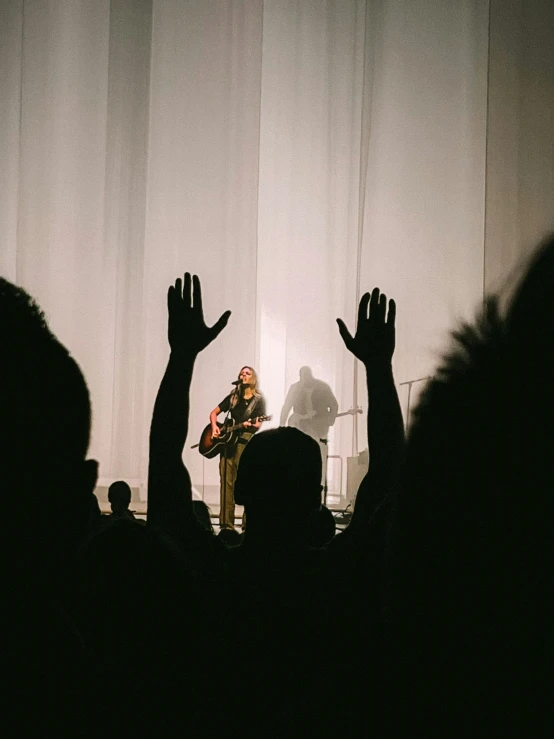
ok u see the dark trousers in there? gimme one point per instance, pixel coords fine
(228, 466)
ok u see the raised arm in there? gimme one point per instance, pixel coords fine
(169, 486)
(373, 344)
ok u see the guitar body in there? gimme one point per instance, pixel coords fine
(210, 447)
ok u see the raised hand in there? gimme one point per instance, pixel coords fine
(373, 343)
(187, 330)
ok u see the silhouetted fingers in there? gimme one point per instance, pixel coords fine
(170, 297)
(197, 295)
(178, 290)
(382, 308)
(392, 313)
(187, 299)
(362, 310)
(344, 332)
(219, 325)
(374, 304)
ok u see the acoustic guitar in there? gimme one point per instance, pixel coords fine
(210, 446)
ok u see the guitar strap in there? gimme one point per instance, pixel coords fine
(245, 434)
(250, 407)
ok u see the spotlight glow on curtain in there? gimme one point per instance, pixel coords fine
(250, 141)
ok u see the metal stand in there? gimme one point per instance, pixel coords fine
(223, 481)
(325, 442)
(409, 383)
(337, 456)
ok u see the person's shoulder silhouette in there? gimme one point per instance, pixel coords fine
(45, 419)
(47, 497)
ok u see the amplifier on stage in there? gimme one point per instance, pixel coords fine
(356, 469)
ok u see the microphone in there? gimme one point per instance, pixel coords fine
(237, 382)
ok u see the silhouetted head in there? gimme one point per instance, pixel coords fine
(230, 537)
(119, 495)
(530, 318)
(475, 509)
(279, 472)
(473, 543)
(321, 527)
(202, 513)
(45, 426)
(305, 374)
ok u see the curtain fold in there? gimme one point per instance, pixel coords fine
(520, 137)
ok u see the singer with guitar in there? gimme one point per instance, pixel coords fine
(244, 403)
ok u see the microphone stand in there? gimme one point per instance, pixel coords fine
(224, 478)
(225, 447)
(239, 387)
(409, 383)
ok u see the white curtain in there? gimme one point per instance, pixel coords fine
(520, 140)
(293, 153)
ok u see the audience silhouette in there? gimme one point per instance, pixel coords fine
(202, 513)
(47, 485)
(119, 497)
(441, 579)
(321, 527)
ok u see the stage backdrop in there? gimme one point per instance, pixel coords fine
(293, 153)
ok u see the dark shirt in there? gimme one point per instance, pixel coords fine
(238, 413)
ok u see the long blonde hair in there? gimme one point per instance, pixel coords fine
(254, 386)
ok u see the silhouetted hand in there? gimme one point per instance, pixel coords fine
(187, 330)
(374, 341)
